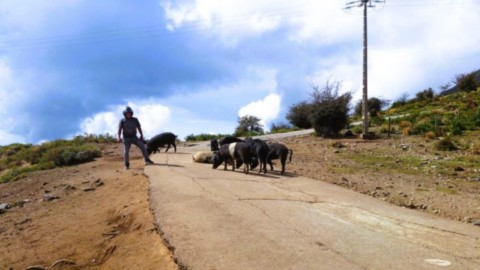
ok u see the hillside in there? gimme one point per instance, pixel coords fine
(96, 216)
(404, 170)
(88, 216)
(438, 115)
(455, 89)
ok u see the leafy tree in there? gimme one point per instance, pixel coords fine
(280, 127)
(466, 82)
(401, 100)
(426, 94)
(299, 115)
(375, 105)
(444, 87)
(249, 125)
(330, 109)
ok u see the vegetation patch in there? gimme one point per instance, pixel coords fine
(17, 160)
(446, 190)
(384, 162)
(338, 144)
(445, 144)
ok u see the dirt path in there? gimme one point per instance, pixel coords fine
(219, 219)
(91, 216)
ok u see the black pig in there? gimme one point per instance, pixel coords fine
(160, 140)
(228, 140)
(259, 150)
(229, 153)
(278, 151)
(214, 145)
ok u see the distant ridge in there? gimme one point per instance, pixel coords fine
(455, 89)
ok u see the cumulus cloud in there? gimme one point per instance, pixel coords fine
(60, 65)
(154, 118)
(100, 123)
(10, 97)
(230, 20)
(220, 101)
(7, 138)
(266, 109)
(10, 94)
(406, 53)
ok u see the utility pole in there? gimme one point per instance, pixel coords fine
(365, 4)
(365, 71)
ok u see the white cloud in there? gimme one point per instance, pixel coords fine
(195, 112)
(406, 54)
(266, 109)
(100, 123)
(233, 21)
(412, 46)
(10, 93)
(153, 116)
(185, 122)
(7, 138)
(223, 98)
(10, 97)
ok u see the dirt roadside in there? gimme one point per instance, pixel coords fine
(405, 171)
(91, 216)
(97, 216)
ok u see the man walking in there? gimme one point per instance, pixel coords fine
(129, 126)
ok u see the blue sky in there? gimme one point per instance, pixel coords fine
(69, 67)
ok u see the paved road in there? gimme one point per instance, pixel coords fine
(219, 219)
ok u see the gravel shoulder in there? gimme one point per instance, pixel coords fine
(218, 219)
(91, 216)
(405, 171)
(97, 216)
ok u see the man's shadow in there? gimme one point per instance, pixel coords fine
(167, 165)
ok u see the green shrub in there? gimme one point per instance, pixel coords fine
(377, 120)
(246, 133)
(204, 137)
(281, 128)
(445, 144)
(466, 82)
(17, 160)
(401, 101)
(329, 118)
(70, 155)
(299, 115)
(17, 173)
(374, 105)
(384, 129)
(357, 130)
(94, 138)
(423, 128)
(476, 118)
(456, 127)
(425, 95)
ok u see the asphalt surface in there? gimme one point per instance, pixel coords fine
(216, 219)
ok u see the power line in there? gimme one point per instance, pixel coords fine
(150, 31)
(192, 27)
(407, 3)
